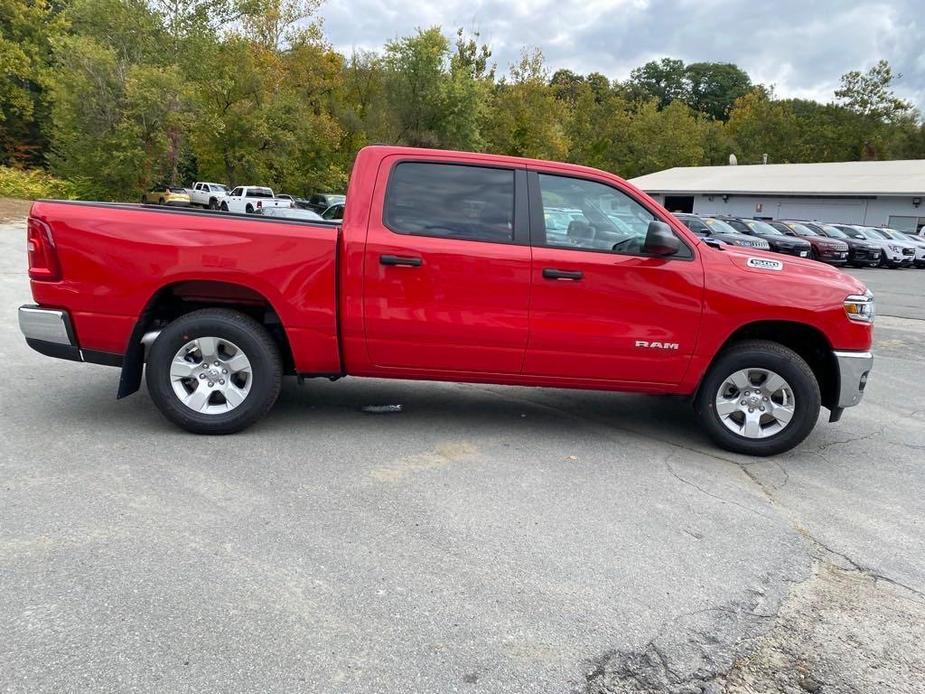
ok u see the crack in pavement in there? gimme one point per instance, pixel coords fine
(869, 435)
(704, 491)
(867, 571)
(648, 669)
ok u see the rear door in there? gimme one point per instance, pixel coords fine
(600, 309)
(447, 267)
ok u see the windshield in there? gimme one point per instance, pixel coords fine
(763, 229)
(890, 234)
(853, 233)
(719, 226)
(802, 230)
(834, 232)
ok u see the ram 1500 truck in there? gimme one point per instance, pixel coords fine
(207, 194)
(249, 199)
(443, 268)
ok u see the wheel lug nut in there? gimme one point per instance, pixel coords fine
(215, 362)
(746, 392)
(761, 408)
(742, 403)
(211, 384)
(224, 371)
(765, 398)
(202, 375)
(751, 409)
(221, 382)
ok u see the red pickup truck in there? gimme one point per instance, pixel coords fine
(449, 266)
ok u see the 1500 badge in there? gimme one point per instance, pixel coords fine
(765, 263)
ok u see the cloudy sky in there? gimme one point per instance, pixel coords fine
(800, 46)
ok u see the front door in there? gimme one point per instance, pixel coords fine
(601, 309)
(447, 268)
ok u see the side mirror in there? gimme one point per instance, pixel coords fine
(660, 240)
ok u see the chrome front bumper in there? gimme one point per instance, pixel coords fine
(853, 369)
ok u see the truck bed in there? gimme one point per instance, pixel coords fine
(116, 258)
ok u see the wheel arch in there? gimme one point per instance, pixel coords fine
(184, 296)
(804, 339)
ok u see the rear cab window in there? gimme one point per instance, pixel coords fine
(455, 201)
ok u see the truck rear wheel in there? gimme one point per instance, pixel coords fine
(214, 371)
(758, 398)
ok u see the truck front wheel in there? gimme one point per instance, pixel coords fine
(758, 398)
(214, 371)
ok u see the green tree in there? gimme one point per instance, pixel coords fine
(416, 82)
(759, 124)
(658, 139)
(27, 31)
(664, 80)
(712, 88)
(527, 119)
(870, 94)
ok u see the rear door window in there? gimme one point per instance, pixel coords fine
(451, 200)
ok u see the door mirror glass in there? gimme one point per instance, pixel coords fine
(660, 240)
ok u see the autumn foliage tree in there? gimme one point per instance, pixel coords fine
(115, 95)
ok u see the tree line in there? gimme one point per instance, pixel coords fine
(113, 95)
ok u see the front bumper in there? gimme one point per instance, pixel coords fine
(853, 369)
(833, 257)
(868, 256)
(50, 332)
(798, 251)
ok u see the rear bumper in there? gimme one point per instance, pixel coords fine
(853, 369)
(50, 332)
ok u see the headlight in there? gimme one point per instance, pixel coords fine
(860, 307)
(895, 249)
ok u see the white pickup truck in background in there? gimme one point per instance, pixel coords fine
(207, 194)
(249, 199)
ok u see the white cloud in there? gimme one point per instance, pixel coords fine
(800, 46)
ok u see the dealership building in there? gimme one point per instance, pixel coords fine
(856, 192)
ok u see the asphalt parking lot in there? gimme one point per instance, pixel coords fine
(484, 539)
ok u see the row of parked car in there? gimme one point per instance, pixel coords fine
(836, 244)
(248, 200)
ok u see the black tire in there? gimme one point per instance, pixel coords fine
(760, 354)
(224, 207)
(161, 201)
(249, 209)
(213, 204)
(243, 331)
